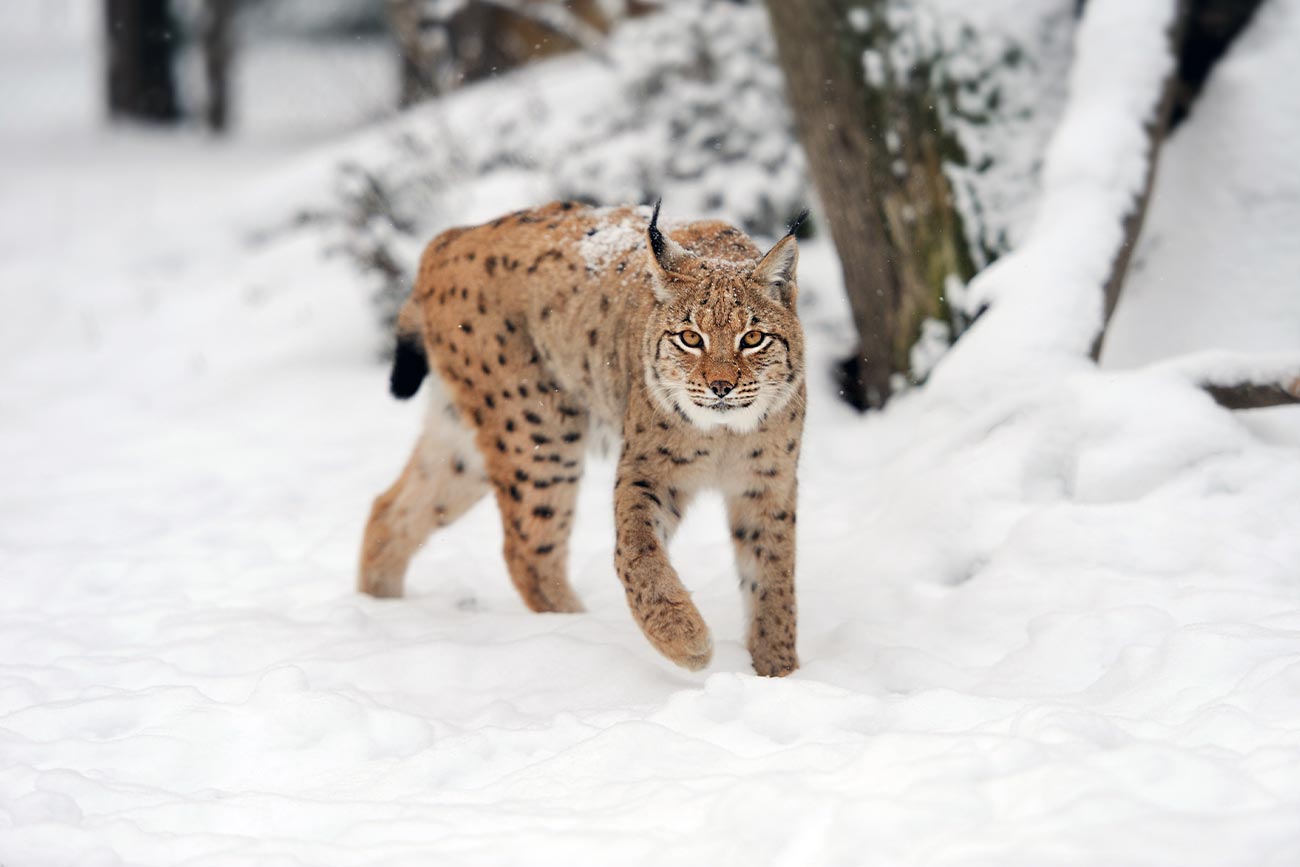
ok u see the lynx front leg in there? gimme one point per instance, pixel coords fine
(442, 479)
(762, 520)
(646, 511)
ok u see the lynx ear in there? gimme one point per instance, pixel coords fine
(666, 258)
(776, 270)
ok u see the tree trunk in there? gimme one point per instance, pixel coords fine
(1211, 27)
(445, 47)
(476, 49)
(876, 150)
(421, 50)
(216, 61)
(141, 45)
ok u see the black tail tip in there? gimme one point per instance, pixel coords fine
(409, 367)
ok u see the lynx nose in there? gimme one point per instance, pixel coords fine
(721, 387)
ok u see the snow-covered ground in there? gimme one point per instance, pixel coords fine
(1049, 614)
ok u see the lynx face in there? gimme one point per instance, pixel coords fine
(724, 352)
(724, 347)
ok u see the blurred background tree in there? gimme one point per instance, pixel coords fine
(144, 42)
(875, 137)
(141, 58)
(440, 44)
(215, 27)
(444, 44)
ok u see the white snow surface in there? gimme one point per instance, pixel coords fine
(1050, 615)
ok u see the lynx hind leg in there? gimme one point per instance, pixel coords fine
(535, 455)
(443, 478)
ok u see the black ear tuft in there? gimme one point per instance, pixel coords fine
(798, 221)
(656, 237)
(667, 259)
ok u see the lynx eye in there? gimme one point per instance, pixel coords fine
(690, 338)
(751, 339)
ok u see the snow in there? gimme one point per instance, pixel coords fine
(613, 238)
(1049, 613)
(1095, 168)
(1220, 186)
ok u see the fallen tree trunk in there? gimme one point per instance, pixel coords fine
(1198, 37)
(1157, 127)
(1255, 396)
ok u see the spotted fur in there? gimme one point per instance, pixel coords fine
(685, 341)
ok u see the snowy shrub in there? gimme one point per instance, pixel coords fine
(997, 73)
(384, 213)
(699, 115)
(689, 106)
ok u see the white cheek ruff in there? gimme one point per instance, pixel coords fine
(739, 419)
(674, 400)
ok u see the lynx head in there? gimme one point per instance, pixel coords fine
(723, 344)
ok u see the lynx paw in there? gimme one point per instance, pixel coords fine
(675, 628)
(380, 587)
(776, 665)
(561, 600)
(773, 658)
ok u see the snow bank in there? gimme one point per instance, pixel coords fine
(1049, 613)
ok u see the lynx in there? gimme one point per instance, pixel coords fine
(684, 341)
